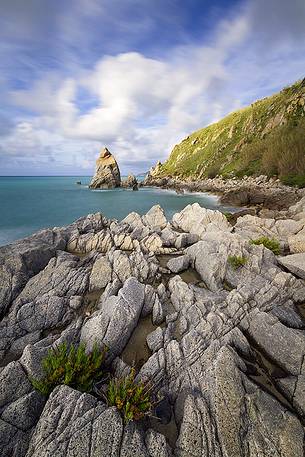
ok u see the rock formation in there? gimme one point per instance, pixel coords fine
(226, 345)
(130, 182)
(229, 146)
(107, 173)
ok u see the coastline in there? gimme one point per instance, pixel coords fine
(203, 313)
(260, 193)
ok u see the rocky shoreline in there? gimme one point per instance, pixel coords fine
(259, 192)
(225, 342)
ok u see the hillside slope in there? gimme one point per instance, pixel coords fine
(267, 137)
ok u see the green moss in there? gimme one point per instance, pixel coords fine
(237, 261)
(72, 366)
(269, 243)
(133, 399)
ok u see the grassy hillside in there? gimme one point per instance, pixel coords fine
(267, 137)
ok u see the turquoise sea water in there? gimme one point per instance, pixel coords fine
(28, 204)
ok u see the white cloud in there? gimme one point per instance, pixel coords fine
(145, 105)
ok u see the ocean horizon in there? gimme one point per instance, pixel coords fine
(32, 203)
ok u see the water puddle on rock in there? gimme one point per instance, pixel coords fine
(189, 276)
(136, 352)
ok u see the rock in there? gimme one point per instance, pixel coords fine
(101, 274)
(289, 350)
(240, 198)
(286, 348)
(150, 296)
(186, 239)
(155, 339)
(23, 259)
(44, 303)
(114, 323)
(177, 264)
(142, 266)
(13, 384)
(246, 418)
(24, 412)
(197, 220)
(252, 227)
(228, 360)
(168, 236)
(20, 408)
(156, 444)
(78, 425)
(155, 218)
(130, 182)
(152, 243)
(294, 263)
(111, 289)
(107, 173)
(159, 312)
(101, 241)
(297, 242)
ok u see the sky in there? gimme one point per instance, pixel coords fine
(136, 76)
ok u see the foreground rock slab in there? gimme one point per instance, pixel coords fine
(294, 263)
(77, 425)
(225, 340)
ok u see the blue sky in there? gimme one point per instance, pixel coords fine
(135, 75)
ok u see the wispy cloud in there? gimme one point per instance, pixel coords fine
(141, 104)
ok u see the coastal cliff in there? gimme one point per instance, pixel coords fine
(209, 311)
(266, 137)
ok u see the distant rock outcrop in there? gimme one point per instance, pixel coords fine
(265, 138)
(130, 182)
(107, 173)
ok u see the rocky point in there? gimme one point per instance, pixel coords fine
(225, 344)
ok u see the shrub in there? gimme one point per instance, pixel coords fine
(237, 261)
(71, 366)
(229, 216)
(280, 153)
(269, 243)
(213, 171)
(295, 181)
(132, 399)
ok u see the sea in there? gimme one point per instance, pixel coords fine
(28, 204)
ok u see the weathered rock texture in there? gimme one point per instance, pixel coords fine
(130, 182)
(107, 173)
(226, 346)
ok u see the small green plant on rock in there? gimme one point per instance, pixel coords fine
(72, 366)
(229, 216)
(133, 399)
(237, 261)
(269, 243)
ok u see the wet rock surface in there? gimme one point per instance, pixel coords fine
(223, 345)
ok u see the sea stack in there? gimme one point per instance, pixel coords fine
(107, 173)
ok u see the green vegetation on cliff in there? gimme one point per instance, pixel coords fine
(267, 137)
